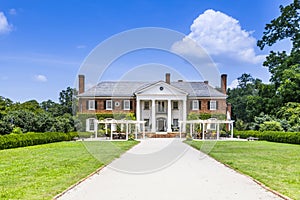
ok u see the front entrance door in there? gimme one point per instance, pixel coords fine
(161, 125)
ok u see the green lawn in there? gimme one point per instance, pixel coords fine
(43, 171)
(276, 165)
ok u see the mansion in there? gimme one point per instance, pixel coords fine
(161, 105)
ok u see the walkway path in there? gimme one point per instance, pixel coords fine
(167, 169)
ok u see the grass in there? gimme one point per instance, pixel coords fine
(43, 171)
(276, 165)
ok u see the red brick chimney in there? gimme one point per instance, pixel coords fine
(81, 84)
(168, 78)
(224, 83)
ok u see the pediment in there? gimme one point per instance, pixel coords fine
(161, 88)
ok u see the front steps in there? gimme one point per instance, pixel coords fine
(164, 135)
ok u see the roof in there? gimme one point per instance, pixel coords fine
(129, 88)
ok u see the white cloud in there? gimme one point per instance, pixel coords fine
(12, 11)
(40, 78)
(233, 84)
(222, 36)
(5, 27)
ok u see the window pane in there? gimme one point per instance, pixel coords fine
(195, 105)
(108, 104)
(92, 125)
(175, 105)
(146, 105)
(91, 104)
(213, 105)
(126, 105)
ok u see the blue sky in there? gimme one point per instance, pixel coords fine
(43, 43)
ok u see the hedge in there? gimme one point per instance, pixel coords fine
(272, 136)
(29, 139)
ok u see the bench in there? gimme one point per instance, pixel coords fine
(252, 138)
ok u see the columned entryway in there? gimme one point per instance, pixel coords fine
(160, 113)
(161, 106)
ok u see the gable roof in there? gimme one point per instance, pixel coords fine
(129, 88)
(162, 83)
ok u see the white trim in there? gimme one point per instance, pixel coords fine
(164, 85)
(88, 124)
(205, 98)
(212, 102)
(195, 105)
(106, 104)
(91, 105)
(128, 104)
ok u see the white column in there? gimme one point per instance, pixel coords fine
(169, 116)
(136, 131)
(218, 131)
(143, 130)
(153, 130)
(127, 131)
(231, 124)
(180, 124)
(203, 135)
(111, 131)
(96, 128)
(184, 114)
(138, 112)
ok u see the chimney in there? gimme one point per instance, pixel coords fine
(81, 84)
(206, 82)
(224, 83)
(168, 78)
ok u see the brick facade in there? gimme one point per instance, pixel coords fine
(100, 106)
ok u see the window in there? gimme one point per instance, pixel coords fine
(90, 124)
(213, 105)
(213, 126)
(195, 105)
(91, 104)
(109, 104)
(126, 105)
(175, 105)
(161, 106)
(146, 105)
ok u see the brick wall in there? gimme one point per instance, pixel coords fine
(100, 105)
(204, 107)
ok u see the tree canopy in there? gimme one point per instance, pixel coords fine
(256, 105)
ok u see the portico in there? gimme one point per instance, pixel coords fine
(162, 106)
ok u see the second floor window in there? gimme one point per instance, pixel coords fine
(175, 105)
(91, 105)
(213, 105)
(161, 106)
(109, 105)
(126, 105)
(146, 105)
(195, 105)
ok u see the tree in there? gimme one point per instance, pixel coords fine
(285, 26)
(291, 113)
(52, 108)
(284, 68)
(67, 99)
(244, 80)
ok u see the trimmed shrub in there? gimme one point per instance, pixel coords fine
(270, 126)
(29, 139)
(272, 136)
